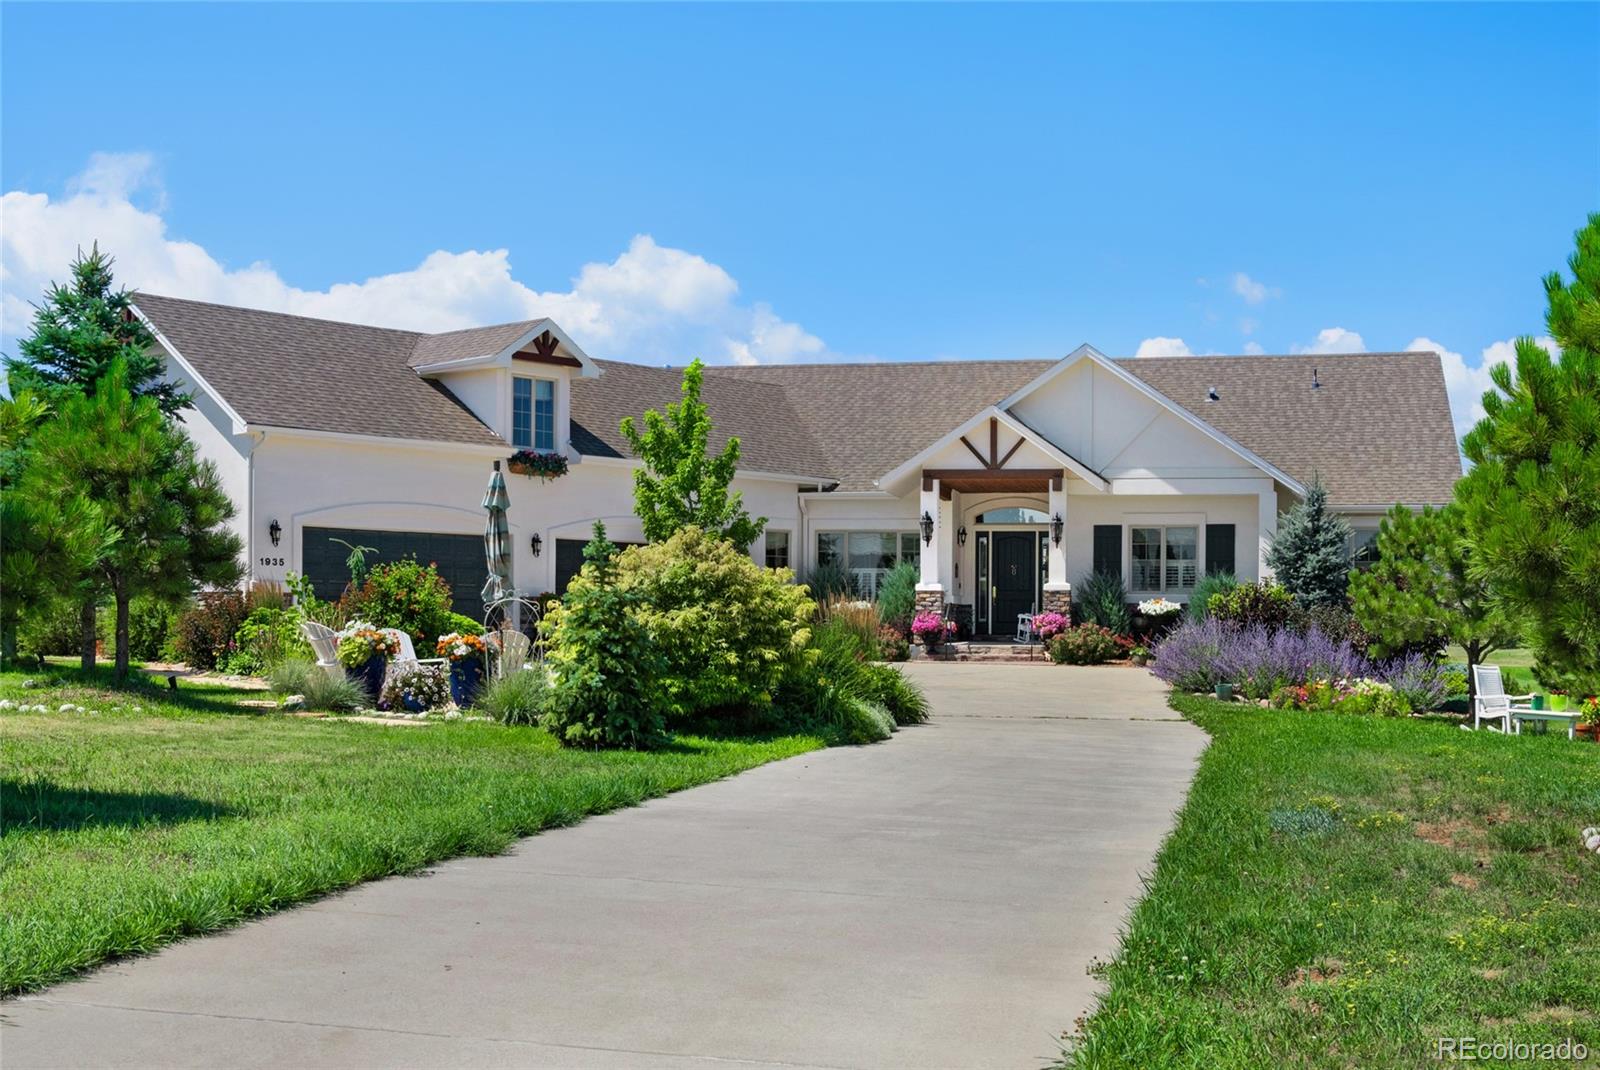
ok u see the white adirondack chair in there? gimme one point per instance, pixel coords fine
(325, 644)
(408, 653)
(1491, 703)
(1024, 628)
(512, 650)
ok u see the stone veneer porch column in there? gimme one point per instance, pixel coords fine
(930, 591)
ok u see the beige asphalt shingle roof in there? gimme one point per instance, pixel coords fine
(1377, 430)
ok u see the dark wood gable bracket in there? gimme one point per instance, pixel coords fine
(544, 352)
(994, 460)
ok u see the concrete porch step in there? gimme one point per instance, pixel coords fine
(981, 651)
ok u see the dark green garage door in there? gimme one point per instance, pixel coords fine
(569, 560)
(459, 559)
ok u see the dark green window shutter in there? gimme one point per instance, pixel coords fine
(1108, 549)
(1220, 548)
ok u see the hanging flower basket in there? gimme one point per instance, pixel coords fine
(533, 463)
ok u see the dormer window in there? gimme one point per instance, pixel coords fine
(533, 413)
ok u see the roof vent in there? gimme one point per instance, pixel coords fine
(1212, 395)
(1316, 384)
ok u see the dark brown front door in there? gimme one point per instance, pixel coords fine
(1012, 577)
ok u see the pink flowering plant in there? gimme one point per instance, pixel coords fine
(1049, 625)
(930, 629)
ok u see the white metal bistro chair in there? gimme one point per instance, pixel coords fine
(1490, 702)
(325, 644)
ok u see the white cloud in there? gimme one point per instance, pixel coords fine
(1253, 349)
(651, 303)
(1163, 347)
(1466, 383)
(1333, 340)
(1252, 291)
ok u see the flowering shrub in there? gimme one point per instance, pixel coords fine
(403, 594)
(1190, 657)
(1359, 696)
(534, 463)
(1159, 607)
(1087, 644)
(1049, 625)
(1422, 683)
(417, 688)
(1265, 604)
(360, 642)
(1591, 708)
(1259, 660)
(930, 628)
(892, 645)
(455, 646)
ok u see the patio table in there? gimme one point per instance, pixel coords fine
(1544, 717)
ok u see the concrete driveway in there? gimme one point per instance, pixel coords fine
(928, 902)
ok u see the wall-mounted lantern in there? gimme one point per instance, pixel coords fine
(538, 544)
(927, 529)
(1056, 524)
(274, 532)
(961, 535)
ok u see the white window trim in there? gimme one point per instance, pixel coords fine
(1164, 521)
(788, 547)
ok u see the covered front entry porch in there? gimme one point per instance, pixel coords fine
(995, 546)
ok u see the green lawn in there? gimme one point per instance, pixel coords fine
(1516, 666)
(1341, 890)
(121, 830)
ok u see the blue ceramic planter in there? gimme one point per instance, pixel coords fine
(370, 675)
(466, 676)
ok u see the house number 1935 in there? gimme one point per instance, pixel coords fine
(272, 561)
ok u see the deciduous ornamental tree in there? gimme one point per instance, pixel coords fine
(1310, 554)
(79, 330)
(1532, 498)
(681, 484)
(1424, 588)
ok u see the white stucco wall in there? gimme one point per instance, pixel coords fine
(211, 431)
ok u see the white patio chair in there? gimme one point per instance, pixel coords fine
(408, 653)
(512, 650)
(325, 644)
(1024, 628)
(1490, 701)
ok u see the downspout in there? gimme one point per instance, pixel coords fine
(805, 536)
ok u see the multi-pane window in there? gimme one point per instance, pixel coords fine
(868, 556)
(1363, 547)
(1164, 559)
(533, 413)
(777, 549)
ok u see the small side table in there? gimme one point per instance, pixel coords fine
(1543, 718)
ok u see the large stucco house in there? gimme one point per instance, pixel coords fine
(1005, 481)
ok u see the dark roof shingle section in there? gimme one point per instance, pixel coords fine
(773, 437)
(320, 375)
(874, 416)
(1377, 431)
(472, 342)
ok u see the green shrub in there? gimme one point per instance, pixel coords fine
(1211, 583)
(521, 698)
(897, 595)
(263, 639)
(890, 688)
(321, 691)
(1086, 644)
(1247, 604)
(53, 629)
(204, 632)
(454, 622)
(609, 672)
(864, 721)
(405, 595)
(856, 616)
(893, 644)
(816, 680)
(1101, 599)
(1338, 622)
(151, 624)
(724, 624)
(827, 582)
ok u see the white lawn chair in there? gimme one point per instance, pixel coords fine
(1024, 628)
(1490, 702)
(325, 644)
(408, 653)
(512, 650)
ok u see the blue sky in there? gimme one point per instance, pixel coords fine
(822, 182)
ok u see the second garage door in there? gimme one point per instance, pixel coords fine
(458, 558)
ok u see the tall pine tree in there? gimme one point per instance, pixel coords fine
(79, 330)
(1532, 498)
(680, 483)
(1310, 554)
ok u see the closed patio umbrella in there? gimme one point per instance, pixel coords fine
(497, 538)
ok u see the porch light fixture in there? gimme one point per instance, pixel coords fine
(961, 535)
(1056, 524)
(927, 528)
(538, 544)
(274, 532)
